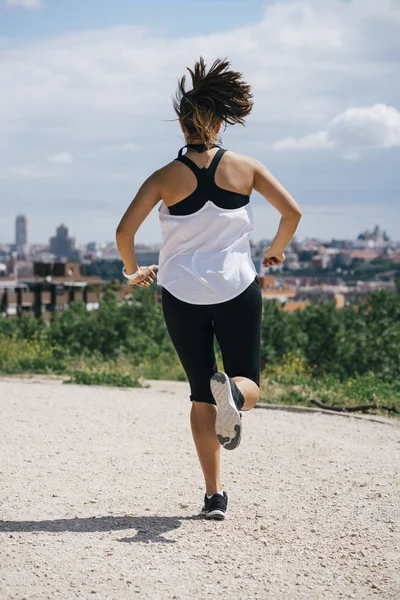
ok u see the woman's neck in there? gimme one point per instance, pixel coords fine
(196, 141)
(193, 144)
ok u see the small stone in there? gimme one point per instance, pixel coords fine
(183, 505)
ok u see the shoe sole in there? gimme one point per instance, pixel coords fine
(216, 515)
(228, 425)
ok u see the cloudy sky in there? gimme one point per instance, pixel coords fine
(86, 114)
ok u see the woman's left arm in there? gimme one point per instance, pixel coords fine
(141, 206)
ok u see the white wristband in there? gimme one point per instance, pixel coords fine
(131, 275)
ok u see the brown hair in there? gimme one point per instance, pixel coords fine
(217, 95)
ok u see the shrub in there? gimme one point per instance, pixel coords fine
(34, 355)
(320, 340)
(114, 379)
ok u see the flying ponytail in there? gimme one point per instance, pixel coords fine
(219, 95)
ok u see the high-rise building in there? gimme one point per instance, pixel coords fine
(62, 246)
(21, 235)
(92, 247)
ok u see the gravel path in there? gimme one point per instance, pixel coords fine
(100, 491)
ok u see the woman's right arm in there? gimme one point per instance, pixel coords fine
(143, 203)
(269, 187)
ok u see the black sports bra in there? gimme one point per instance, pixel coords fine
(206, 187)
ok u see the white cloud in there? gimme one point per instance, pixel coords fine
(308, 142)
(28, 4)
(351, 131)
(305, 59)
(110, 89)
(62, 158)
(376, 126)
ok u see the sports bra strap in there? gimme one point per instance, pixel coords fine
(180, 152)
(205, 173)
(214, 163)
(189, 163)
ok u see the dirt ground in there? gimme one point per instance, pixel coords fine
(100, 492)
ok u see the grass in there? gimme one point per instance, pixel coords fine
(37, 356)
(291, 382)
(93, 378)
(34, 355)
(124, 368)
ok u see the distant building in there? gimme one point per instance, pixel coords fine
(343, 260)
(292, 261)
(92, 247)
(56, 270)
(23, 269)
(321, 261)
(21, 234)
(375, 238)
(63, 246)
(109, 251)
(340, 244)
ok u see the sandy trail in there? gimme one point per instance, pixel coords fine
(100, 491)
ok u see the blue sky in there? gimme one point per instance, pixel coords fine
(177, 17)
(86, 116)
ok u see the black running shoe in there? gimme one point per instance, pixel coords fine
(215, 507)
(229, 400)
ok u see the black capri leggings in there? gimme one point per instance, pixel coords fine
(237, 327)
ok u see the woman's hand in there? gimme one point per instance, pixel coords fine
(146, 277)
(273, 258)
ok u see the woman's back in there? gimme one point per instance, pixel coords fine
(205, 257)
(207, 188)
(234, 173)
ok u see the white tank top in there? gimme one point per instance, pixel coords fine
(205, 256)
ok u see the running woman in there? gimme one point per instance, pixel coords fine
(209, 282)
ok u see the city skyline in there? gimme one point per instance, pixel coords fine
(65, 229)
(370, 250)
(88, 115)
(65, 245)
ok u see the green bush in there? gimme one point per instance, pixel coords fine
(114, 379)
(293, 382)
(280, 333)
(130, 338)
(31, 355)
(135, 327)
(346, 342)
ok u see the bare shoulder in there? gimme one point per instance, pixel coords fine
(242, 162)
(244, 166)
(158, 178)
(167, 170)
(236, 157)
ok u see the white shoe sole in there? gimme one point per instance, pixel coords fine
(228, 425)
(217, 515)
